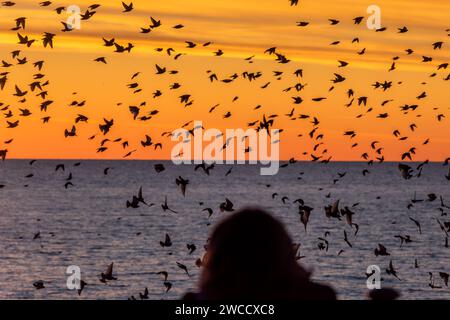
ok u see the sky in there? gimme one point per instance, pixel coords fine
(241, 29)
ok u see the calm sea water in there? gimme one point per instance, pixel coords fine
(88, 225)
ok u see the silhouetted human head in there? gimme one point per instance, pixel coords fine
(250, 256)
(384, 294)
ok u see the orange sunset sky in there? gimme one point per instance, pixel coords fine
(241, 29)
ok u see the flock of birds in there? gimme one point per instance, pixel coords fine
(15, 117)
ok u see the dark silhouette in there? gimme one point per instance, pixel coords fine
(250, 256)
(383, 294)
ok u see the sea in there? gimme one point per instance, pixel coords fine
(46, 227)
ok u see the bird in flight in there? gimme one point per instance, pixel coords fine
(127, 7)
